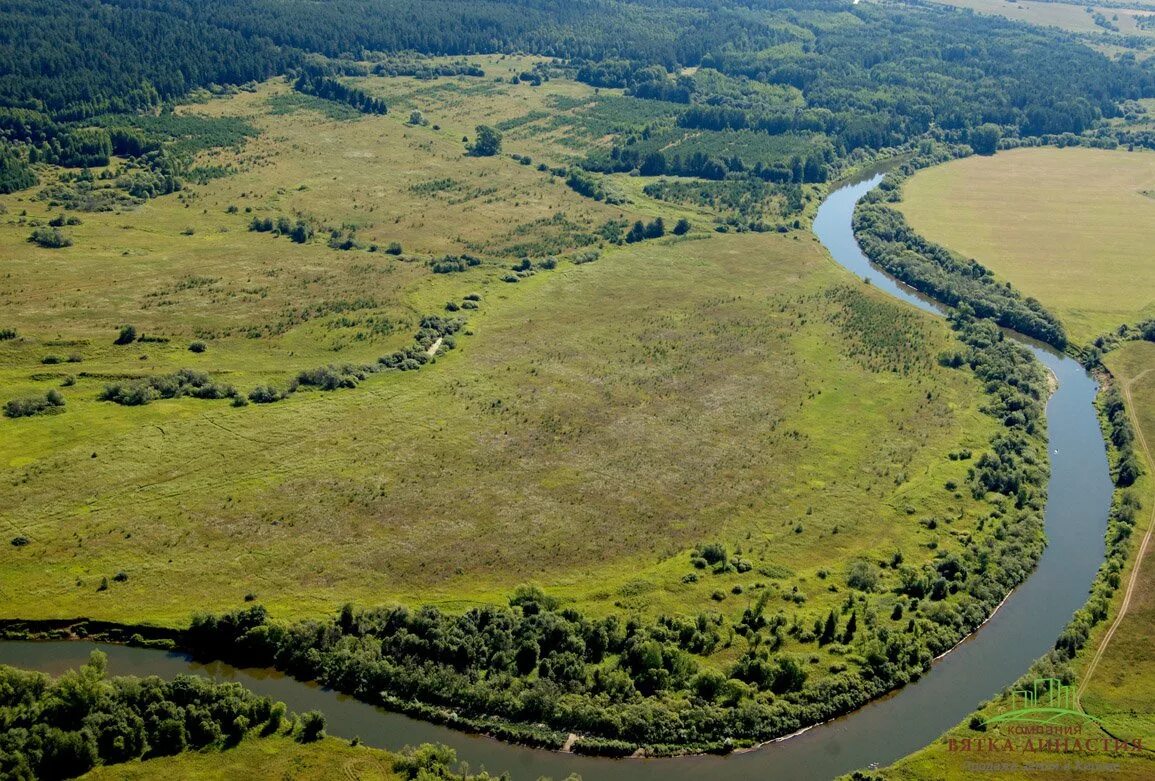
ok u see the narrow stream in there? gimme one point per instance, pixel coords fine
(1023, 629)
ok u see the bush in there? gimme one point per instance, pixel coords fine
(127, 335)
(862, 575)
(50, 403)
(312, 726)
(197, 347)
(265, 394)
(394, 248)
(682, 227)
(50, 238)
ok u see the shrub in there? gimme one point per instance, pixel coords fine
(7, 333)
(312, 726)
(862, 575)
(682, 227)
(127, 335)
(50, 238)
(265, 394)
(50, 403)
(197, 347)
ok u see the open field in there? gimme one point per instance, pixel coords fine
(270, 757)
(595, 423)
(1073, 17)
(1121, 690)
(1071, 227)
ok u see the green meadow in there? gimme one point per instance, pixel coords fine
(596, 422)
(1071, 227)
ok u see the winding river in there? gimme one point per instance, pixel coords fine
(1023, 628)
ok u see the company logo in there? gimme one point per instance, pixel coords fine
(1047, 701)
(1043, 719)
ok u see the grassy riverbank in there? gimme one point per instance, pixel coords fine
(1111, 677)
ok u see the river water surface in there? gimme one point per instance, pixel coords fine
(1023, 629)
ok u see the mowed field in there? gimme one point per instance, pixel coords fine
(1074, 17)
(1072, 227)
(594, 423)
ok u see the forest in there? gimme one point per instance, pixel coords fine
(833, 78)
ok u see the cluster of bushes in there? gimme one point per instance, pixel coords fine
(933, 269)
(64, 727)
(50, 403)
(50, 238)
(333, 377)
(1118, 423)
(452, 264)
(423, 68)
(640, 231)
(300, 231)
(1017, 391)
(184, 382)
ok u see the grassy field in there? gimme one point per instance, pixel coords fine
(1074, 17)
(594, 424)
(271, 757)
(1071, 227)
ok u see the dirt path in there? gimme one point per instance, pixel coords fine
(434, 347)
(1131, 581)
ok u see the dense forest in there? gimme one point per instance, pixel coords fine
(828, 77)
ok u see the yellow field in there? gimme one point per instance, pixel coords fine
(1071, 227)
(1067, 16)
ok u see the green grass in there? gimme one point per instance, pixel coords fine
(595, 423)
(271, 757)
(1071, 227)
(1122, 689)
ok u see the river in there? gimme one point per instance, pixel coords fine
(1023, 629)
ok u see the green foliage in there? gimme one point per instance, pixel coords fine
(127, 335)
(14, 171)
(486, 142)
(50, 403)
(185, 382)
(984, 139)
(50, 238)
(63, 727)
(313, 82)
